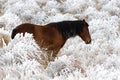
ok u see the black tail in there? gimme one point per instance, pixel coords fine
(14, 32)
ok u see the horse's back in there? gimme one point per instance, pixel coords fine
(26, 27)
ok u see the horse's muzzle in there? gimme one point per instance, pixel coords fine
(88, 42)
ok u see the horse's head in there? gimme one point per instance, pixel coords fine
(84, 32)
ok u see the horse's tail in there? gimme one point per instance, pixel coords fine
(14, 32)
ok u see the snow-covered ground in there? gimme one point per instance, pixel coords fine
(100, 60)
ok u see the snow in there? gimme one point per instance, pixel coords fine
(22, 59)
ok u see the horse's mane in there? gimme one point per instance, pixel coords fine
(69, 28)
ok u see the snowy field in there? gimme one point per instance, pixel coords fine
(22, 59)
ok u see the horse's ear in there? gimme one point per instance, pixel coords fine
(83, 20)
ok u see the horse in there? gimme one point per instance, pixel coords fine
(53, 36)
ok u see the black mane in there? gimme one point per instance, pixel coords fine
(69, 28)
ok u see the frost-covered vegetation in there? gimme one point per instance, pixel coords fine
(22, 59)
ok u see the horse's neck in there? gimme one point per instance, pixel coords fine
(67, 29)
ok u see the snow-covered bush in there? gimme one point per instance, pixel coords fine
(23, 59)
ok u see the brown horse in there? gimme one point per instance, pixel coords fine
(54, 35)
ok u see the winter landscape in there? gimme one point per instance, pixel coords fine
(22, 59)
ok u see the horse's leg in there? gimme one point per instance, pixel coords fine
(55, 52)
(51, 54)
